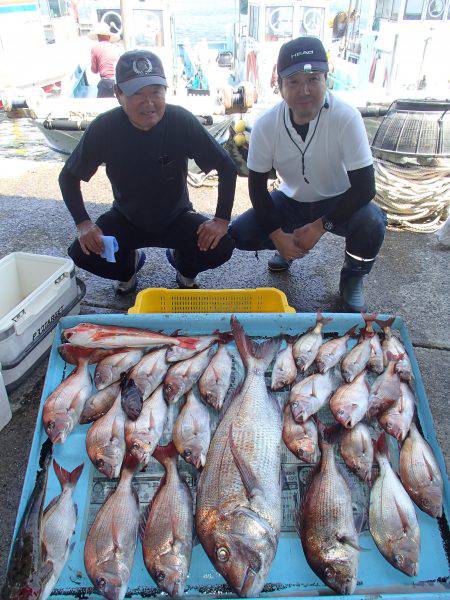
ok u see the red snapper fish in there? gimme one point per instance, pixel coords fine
(331, 352)
(284, 370)
(349, 403)
(307, 345)
(63, 407)
(392, 344)
(90, 335)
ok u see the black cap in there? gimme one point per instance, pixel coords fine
(136, 69)
(304, 54)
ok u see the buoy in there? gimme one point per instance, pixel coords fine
(239, 139)
(239, 126)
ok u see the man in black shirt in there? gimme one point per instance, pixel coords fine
(145, 145)
(318, 145)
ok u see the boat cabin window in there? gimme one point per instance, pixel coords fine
(253, 27)
(58, 8)
(278, 23)
(148, 27)
(435, 10)
(413, 10)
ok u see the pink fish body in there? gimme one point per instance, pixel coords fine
(349, 403)
(397, 419)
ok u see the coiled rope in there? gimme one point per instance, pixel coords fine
(414, 198)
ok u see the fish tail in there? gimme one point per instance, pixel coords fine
(164, 453)
(352, 332)
(380, 446)
(322, 319)
(387, 323)
(67, 478)
(329, 435)
(224, 337)
(263, 352)
(46, 453)
(186, 342)
(290, 339)
(394, 357)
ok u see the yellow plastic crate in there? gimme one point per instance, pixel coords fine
(258, 300)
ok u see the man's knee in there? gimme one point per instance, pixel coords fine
(222, 252)
(371, 220)
(76, 254)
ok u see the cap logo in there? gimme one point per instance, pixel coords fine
(301, 53)
(307, 67)
(142, 66)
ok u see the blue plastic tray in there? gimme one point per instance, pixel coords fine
(290, 575)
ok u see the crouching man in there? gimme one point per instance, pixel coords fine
(145, 145)
(319, 147)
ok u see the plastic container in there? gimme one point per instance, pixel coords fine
(258, 300)
(290, 577)
(37, 291)
(5, 409)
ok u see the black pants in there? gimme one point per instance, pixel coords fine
(181, 235)
(105, 88)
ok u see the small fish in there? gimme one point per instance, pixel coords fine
(357, 450)
(307, 346)
(191, 432)
(349, 403)
(58, 525)
(111, 368)
(356, 360)
(27, 573)
(143, 434)
(301, 438)
(397, 419)
(89, 335)
(392, 518)
(111, 541)
(331, 352)
(177, 353)
(326, 525)
(167, 527)
(182, 376)
(376, 363)
(215, 381)
(98, 404)
(420, 473)
(385, 390)
(63, 407)
(149, 372)
(105, 441)
(131, 398)
(392, 344)
(309, 395)
(284, 370)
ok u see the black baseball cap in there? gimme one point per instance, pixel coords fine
(136, 69)
(304, 54)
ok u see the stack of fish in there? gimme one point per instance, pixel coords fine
(140, 375)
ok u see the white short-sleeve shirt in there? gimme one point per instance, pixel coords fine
(339, 144)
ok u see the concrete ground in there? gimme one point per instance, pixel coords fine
(410, 279)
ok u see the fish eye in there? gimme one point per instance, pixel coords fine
(135, 446)
(168, 387)
(99, 463)
(51, 425)
(398, 558)
(329, 571)
(294, 404)
(101, 583)
(389, 425)
(187, 453)
(425, 502)
(223, 554)
(341, 412)
(160, 576)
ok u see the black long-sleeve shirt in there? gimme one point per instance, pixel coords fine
(360, 193)
(147, 169)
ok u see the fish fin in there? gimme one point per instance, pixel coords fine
(186, 342)
(313, 388)
(52, 503)
(264, 351)
(248, 477)
(174, 333)
(387, 323)
(164, 453)
(331, 434)
(380, 446)
(359, 520)
(143, 520)
(45, 571)
(322, 319)
(352, 332)
(350, 540)
(290, 339)
(130, 462)
(403, 517)
(66, 477)
(224, 337)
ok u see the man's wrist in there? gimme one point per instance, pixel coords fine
(222, 220)
(326, 224)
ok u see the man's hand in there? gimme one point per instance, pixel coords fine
(90, 237)
(210, 233)
(306, 237)
(286, 245)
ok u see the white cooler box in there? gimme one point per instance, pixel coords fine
(35, 292)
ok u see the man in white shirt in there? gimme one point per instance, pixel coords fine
(319, 148)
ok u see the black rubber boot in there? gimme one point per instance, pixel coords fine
(351, 284)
